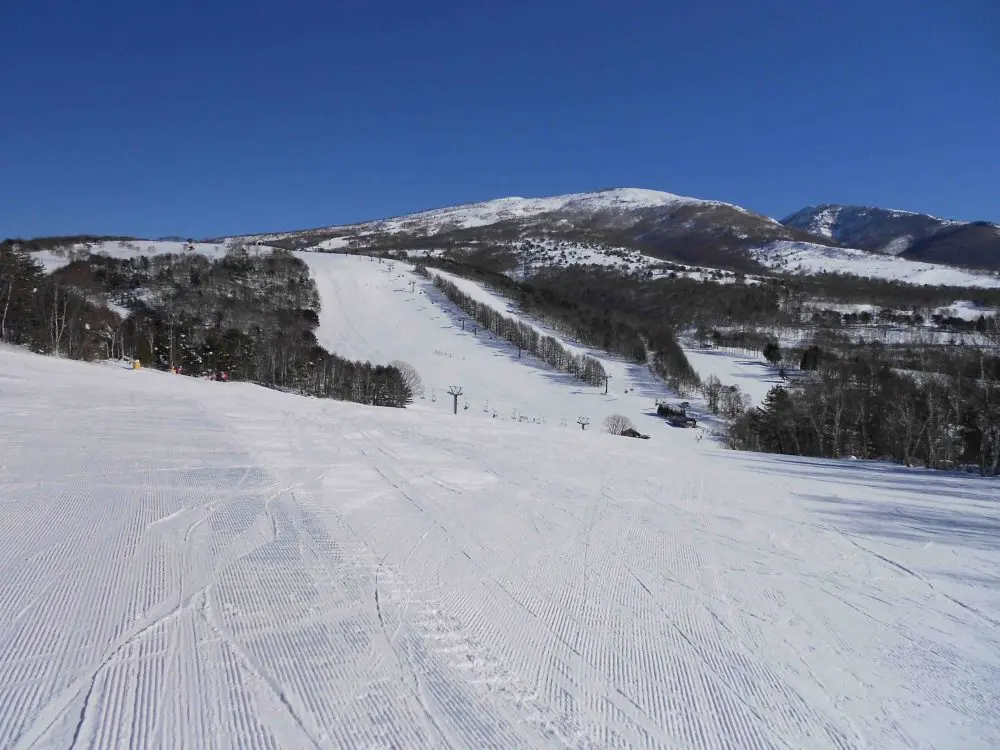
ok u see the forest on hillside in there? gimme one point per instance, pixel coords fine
(248, 316)
(252, 315)
(915, 402)
(931, 407)
(638, 339)
(521, 335)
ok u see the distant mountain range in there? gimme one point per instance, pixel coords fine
(652, 233)
(673, 228)
(660, 225)
(902, 233)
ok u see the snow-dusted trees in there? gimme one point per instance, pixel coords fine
(57, 313)
(616, 424)
(524, 337)
(711, 389)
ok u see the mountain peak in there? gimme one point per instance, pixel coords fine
(896, 232)
(664, 225)
(616, 199)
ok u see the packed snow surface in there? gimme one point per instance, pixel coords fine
(424, 329)
(751, 372)
(808, 258)
(198, 564)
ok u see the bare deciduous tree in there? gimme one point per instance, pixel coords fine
(616, 424)
(410, 376)
(583, 422)
(711, 388)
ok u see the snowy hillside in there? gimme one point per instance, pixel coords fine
(54, 259)
(809, 258)
(882, 230)
(241, 567)
(642, 233)
(614, 201)
(654, 223)
(915, 236)
(424, 329)
(537, 253)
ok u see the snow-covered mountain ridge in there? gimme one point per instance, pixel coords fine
(903, 233)
(659, 224)
(612, 202)
(647, 233)
(848, 224)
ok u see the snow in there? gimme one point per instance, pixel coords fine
(425, 329)
(493, 211)
(752, 374)
(337, 243)
(204, 564)
(546, 252)
(53, 260)
(808, 258)
(484, 213)
(245, 567)
(966, 310)
(899, 213)
(822, 224)
(961, 308)
(897, 245)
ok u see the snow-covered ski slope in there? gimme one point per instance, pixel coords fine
(423, 328)
(369, 313)
(206, 564)
(752, 373)
(195, 564)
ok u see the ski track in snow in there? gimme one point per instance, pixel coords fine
(424, 328)
(196, 564)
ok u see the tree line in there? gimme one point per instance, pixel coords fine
(641, 340)
(50, 313)
(249, 316)
(524, 337)
(943, 414)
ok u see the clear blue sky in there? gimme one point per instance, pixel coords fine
(203, 118)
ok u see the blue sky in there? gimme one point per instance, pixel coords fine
(208, 118)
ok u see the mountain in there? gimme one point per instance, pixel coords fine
(645, 234)
(974, 244)
(903, 233)
(661, 225)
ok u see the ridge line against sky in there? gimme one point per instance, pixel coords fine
(217, 118)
